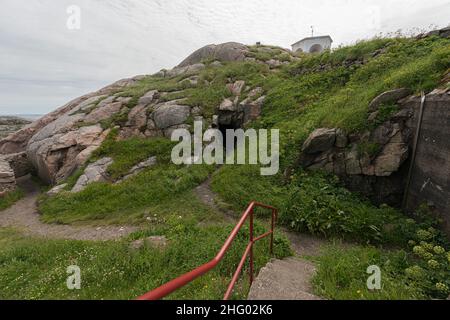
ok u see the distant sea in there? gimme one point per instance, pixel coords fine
(30, 117)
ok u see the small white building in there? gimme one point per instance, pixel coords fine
(313, 44)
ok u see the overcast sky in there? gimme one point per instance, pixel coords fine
(43, 63)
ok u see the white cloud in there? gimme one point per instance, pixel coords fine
(43, 64)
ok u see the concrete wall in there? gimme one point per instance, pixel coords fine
(430, 181)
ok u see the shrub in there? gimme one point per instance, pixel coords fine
(342, 275)
(318, 204)
(431, 270)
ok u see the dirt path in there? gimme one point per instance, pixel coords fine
(287, 279)
(302, 244)
(24, 216)
(208, 197)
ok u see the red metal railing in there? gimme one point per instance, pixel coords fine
(183, 280)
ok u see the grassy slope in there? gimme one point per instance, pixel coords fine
(36, 269)
(322, 91)
(342, 275)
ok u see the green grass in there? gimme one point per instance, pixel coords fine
(10, 198)
(36, 268)
(315, 203)
(153, 83)
(239, 185)
(265, 53)
(162, 185)
(342, 275)
(128, 153)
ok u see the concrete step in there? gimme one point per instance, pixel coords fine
(288, 279)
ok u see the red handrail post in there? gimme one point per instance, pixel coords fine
(274, 213)
(183, 280)
(251, 273)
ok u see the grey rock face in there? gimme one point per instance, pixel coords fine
(169, 131)
(227, 105)
(189, 69)
(137, 117)
(387, 97)
(341, 139)
(56, 190)
(230, 51)
(148, 98)
(392, 157)
(323, 150)
(370, 162)
(320, 140)
(274, 63)
(18, 141)
(170, 115)
(252, 109)
(87, 104)
(56, 154)
(95, 172)
(150, 162)
(103, 113)
(443, 33)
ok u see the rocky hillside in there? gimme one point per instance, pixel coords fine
(147, 107)
(350, 96)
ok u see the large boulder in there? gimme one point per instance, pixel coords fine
(17, 141)
(95, 172)
(168, 115)
(103, 112)
(79, 107)
(236, 87)
(230, 51)
(189, 69)
(319, 140)
(388, 97)
(227, 105)
(394, 154)
(58, 150)
(252, 109)
(150, 162)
